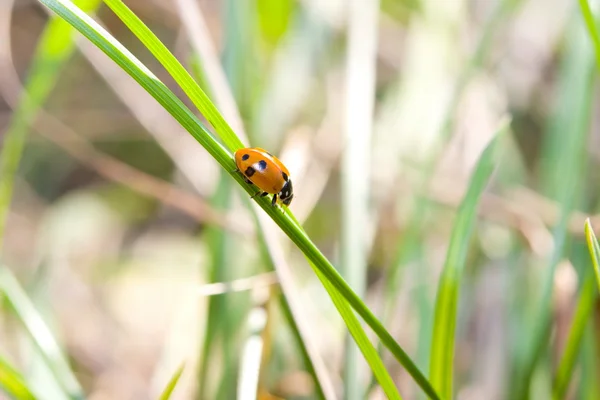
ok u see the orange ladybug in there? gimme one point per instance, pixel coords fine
(261, 168)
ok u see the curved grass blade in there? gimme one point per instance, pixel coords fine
(110, 46)
(590, 23)
(409, 245)
(12, 383)
(594, 249)
(168, 390)
(583, 310)
(40, 333)
(181, 76)
(361, 339)
(446, 308)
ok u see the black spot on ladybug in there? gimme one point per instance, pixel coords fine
(249, 171)
(245, 157)
(285, 177)
(261, 165)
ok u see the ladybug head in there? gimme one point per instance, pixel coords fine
(287, 193)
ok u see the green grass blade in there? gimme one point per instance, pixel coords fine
(581, 317)
(168, 390)
(40, 333)
(101, 38)
(12, 383)
(55, 46)
(590, 23)
(446, 308)
(178, 72)
(594, 249)
(220, 327)
(362, 341)
(563, 165)
(589, 388)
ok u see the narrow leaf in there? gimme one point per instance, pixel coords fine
(40, 333)
(168, 390)
(593, 248)
(12, 383)
(582, 314)
(446, 309)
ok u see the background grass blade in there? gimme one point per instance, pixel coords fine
(590, 23)
(168, 391)
(594, 249)
(360, 84)
(219, 322)
(583, 311)
(55, 46)
(12, 383)
(252, 352)
(410, 251)
(562, 166)
(589, 388)
(285, 221)
(446, 308)
(40, 333)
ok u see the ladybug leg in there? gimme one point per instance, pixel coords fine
(262, 194)
(248, 181)
(274, 201)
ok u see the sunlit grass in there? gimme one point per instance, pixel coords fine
(12, 382)
(446, 308)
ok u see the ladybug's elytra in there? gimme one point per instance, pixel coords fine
(261, 168)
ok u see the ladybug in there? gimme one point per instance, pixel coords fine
(261, 168)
